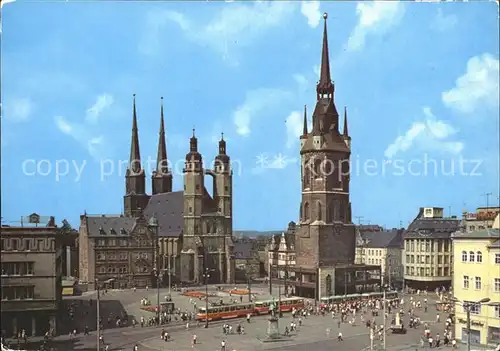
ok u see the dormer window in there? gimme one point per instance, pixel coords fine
(122, 231)
(112, 231)
(101, 231)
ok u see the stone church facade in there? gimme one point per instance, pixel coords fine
(168, 236)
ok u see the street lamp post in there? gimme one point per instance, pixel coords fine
(249, 280)
(467, 305)
(206, 275)
(159, 276)
(153, 225)
(384, 288)
(98, 324)
(169, 278)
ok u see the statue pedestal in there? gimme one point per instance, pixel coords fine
(273, 331)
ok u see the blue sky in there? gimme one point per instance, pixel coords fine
(420, 81)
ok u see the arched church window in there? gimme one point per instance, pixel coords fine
(301, 212)
(306, 211)
(319, 215)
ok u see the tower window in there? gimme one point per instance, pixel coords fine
(197, 186)
(190, 209)
(226, 188)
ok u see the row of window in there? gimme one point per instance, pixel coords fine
(427, 271)
(477, 257)
(427, 245)
(428, 259)
(478, 283)
(282, 257)
(336, 211)
(472, 256)
(475, 308)
(107, 269)
(18, 293)
(122, 242)
(18, 268)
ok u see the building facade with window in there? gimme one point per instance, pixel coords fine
(483, 218)
(427, 255)
(32, 262)
(281, 254)
(384, 249)
(477, 276)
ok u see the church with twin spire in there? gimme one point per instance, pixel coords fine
(167, 236)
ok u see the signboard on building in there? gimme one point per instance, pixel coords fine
(482, 216)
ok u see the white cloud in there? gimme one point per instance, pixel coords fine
(236, 24)
(316, 70)
(255, 102)
(431, 135)
(5, 2)
(374, 17)
(444, 22)
(294, 125)
(103, 101)
(477, 87)
(18, 109)
(84, 133)
(310, 9)
(63, 125)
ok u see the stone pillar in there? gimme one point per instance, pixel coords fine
(68, 261)
(33, 326)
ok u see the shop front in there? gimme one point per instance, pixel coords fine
(493, 335)
(475, 336)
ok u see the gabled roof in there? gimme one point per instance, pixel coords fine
(384, 239)
(432, 227)
(109, 225)
(479, 234)
(169, 210)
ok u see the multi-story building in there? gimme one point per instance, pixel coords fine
(192, 230)
(477, 276)
(31, 277)
(483, 218)
(247, 262)
(281, 254)
(428, 256)
(384, 249)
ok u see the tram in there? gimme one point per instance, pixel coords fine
(241, 310)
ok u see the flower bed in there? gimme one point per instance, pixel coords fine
(239, 291)
(196, 294)
(150, 308)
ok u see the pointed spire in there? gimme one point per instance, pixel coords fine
(304, 131)
(193, 143)
(222, 145)
(325, 85)
(135, 155)
(161, 158)
(346, 132)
